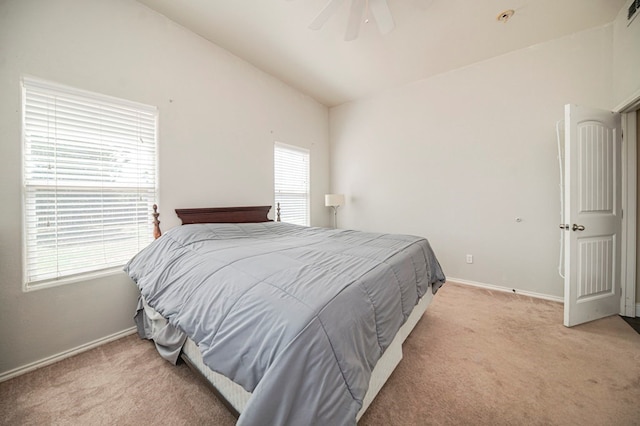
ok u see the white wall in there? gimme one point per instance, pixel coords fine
(626, 58)
(219, 117)
(459, 156)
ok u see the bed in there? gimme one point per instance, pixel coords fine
(289, 324)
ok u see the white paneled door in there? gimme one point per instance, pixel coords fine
(593, 214)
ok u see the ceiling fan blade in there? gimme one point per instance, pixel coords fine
(355, 18)
(382, 14)
(331, 7)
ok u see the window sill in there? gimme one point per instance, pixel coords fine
(56, 282)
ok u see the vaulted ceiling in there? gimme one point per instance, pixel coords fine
(430, 37)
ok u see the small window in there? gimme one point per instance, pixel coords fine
(89, 173)
(291, 177)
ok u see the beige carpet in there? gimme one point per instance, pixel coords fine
(477, 357)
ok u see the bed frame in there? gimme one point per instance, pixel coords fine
(231, 394)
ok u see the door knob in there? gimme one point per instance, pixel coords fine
(564, 226)
(577, 227)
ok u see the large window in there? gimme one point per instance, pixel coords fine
(89, 181)
(291, 177)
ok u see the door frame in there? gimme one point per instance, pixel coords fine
(629, 203)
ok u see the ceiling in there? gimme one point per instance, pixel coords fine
(430, 37)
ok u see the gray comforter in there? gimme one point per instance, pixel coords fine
(299, 316)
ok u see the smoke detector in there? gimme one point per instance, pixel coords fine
(505, 16)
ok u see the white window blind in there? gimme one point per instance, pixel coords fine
(291, 165)
(89, 180)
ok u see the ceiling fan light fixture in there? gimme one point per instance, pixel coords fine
(360, 11)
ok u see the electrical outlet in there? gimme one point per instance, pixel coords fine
(469, 258)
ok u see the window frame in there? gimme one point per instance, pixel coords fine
(29, 82)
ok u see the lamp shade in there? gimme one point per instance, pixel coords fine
(333, 200)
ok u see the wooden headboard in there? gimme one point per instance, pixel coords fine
(252, 214)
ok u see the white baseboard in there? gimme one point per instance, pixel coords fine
(66, 354)
(507, 289)
(516, 291)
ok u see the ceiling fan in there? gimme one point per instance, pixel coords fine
(360, 10)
